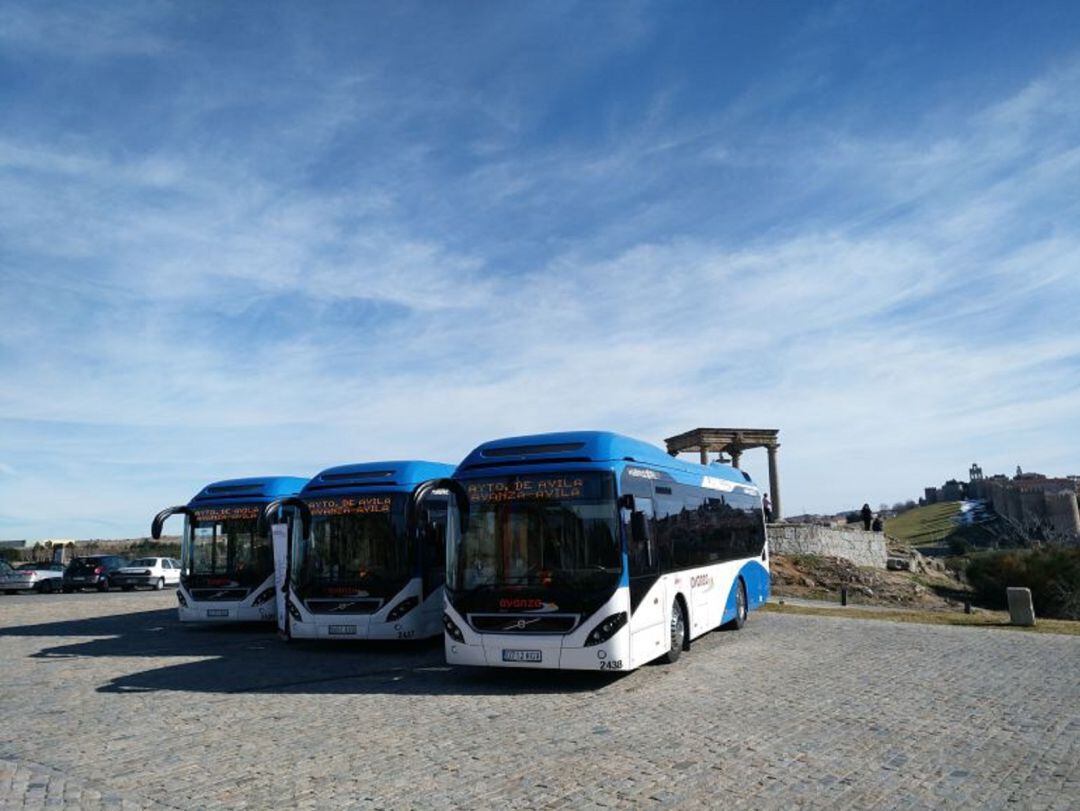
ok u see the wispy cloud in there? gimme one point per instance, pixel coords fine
(81, 30)
(394, 267)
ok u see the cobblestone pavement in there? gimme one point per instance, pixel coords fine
(106, 701)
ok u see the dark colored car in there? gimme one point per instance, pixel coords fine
(91, 572)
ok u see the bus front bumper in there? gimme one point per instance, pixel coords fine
(191, 610)
(360, 626)
(537, 651)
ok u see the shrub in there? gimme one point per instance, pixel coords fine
(1052, 574)
(10, 554)
(958, 546)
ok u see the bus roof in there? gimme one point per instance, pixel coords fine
(254, 489)
(401, 475)
(523, 453)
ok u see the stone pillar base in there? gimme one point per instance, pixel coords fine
(1021, 608)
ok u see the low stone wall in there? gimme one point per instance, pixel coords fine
(860, 547)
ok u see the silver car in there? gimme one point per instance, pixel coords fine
(155, 573)
(41, 577)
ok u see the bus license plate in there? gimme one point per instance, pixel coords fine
(217, 612)
(343, 629)
(522, 655)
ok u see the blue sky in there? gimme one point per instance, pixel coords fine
(242, 239)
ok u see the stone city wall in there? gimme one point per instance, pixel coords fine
(1044, 508)
(860, 547)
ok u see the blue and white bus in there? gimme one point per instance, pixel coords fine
(593, 551)
(367, 558)
(227, 565)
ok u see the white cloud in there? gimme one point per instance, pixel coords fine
(90, 30)
(888, 341)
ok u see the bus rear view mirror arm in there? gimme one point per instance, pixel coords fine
(452, 485)
(270, 512)
(159, 519)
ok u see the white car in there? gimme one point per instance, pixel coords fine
(157, 573)
(41, 577)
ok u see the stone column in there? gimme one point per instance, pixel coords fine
(704, 456)
(774, 482)
(736, 454)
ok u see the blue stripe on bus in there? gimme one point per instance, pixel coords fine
(756, 578)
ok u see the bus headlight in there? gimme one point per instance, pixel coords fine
(402, 608)
(294, 612)
(266, 596)
(606, 629)
(180, 597)
(452, 629)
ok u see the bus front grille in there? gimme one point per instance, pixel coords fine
(222, 595)
(524, 623)
(344, 605)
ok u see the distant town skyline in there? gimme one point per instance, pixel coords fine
(240, 240)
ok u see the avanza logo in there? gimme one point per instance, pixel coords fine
(525, 604)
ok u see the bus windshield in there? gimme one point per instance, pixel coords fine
(358, 548)
(545, 534)
(224, 544)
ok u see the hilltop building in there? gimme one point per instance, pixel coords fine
(1042, 507)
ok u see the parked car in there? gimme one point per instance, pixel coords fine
(156, 573)
(43, 577)
(95, 572)
(5, 574)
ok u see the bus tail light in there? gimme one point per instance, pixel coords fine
(264, 597)
(99, 570)
(452, 629)
(606, 629)
(402, 608)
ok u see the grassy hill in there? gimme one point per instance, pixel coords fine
(936, 525)
(924, 526)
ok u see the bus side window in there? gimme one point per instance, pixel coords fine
(642, 552)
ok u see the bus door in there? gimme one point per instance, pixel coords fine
(433, 509)
(431, 529)
(648, 598)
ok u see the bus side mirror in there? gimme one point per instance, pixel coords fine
(159, 520)
(626, 502)
(461, 499)
(269, 513)
(639, 527)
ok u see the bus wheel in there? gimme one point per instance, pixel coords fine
(741, 608)
(678, 633)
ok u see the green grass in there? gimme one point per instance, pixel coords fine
(924, 526)
(980, 619)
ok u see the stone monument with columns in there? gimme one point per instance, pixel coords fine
(733, 441)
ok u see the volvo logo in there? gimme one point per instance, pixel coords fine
(519, 625)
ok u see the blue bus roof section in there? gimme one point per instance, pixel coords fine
(254, 489)
(524, 453)
(398, 475)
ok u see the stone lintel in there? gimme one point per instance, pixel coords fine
(723, 440)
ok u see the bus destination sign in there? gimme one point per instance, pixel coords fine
(527, 488)
(350, 506)
(227, 514)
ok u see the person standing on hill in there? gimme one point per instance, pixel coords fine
(766, 505)
(867, 516)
